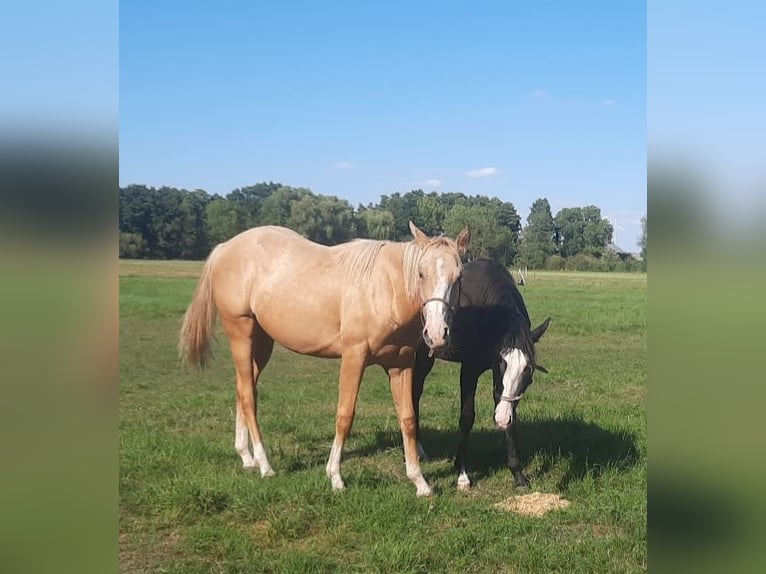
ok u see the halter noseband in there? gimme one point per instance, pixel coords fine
(450, 308)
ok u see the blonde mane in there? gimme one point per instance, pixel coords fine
(410, 264)
(358, 258)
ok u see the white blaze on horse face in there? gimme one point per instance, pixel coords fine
(436, 310)
(515, 363)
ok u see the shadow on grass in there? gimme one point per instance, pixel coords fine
(582, 448)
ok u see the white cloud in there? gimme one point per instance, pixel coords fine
(482, 172)
(540, 95)
(610, 102)
(433, 183)
(342, 165)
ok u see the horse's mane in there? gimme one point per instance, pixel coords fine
(358, 259)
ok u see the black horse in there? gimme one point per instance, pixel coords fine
(490, 330)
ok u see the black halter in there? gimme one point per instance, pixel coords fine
(450, 308)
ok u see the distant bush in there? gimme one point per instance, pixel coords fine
(555, 263)
(132, 246)
(609, 262)
(582, 262)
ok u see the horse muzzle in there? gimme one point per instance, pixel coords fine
(438, 342)
(436, 323)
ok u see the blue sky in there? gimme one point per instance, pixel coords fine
(514, 100)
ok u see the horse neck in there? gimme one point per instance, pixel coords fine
(407, 301)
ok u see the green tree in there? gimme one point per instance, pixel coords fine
(132, 245)
(224, 219)
(135, 213)
(276, 208)
(597, 231)
(570, 226)
(322, 218)
(249, 200)
(582, 230)
(537, 241)
(404, 208)
(378, 223)
(489, 239)
(642, 240)
(431, 214)
(194, 240)
(166, 239)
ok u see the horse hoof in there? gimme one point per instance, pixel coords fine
(427, 493)
(268, 473)
(464, 486)
(337, 484)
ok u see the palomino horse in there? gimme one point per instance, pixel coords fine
(490, 330)
(367, 302)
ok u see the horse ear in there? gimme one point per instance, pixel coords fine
(538, 331)
(419, 237)
(463, 239)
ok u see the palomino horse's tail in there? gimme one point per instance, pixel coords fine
(199, 320)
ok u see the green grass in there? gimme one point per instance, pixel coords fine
(186, 505)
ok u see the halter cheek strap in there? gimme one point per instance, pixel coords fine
(450, 308)
(440, 300)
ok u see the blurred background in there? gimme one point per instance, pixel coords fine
(706, 203)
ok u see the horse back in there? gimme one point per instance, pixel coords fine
(489, 306)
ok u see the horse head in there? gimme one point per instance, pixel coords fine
(517, 366)
(439, 269)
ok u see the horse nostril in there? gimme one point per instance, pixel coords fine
(426, 338)
(446, 332)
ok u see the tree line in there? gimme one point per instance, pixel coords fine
(171, 223)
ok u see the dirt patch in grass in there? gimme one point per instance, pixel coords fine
(141, 553)
(535, 504)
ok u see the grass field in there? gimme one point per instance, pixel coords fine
(186, 505)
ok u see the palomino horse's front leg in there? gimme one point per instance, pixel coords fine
(423, 365)
(401, 390)
(351, 369)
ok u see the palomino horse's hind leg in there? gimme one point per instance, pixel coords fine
(401, 390)
(244, 341)
(351, 369)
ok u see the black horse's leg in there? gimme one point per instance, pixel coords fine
(423, 366)
(469, 377)
(513, 458)
(510, 434)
